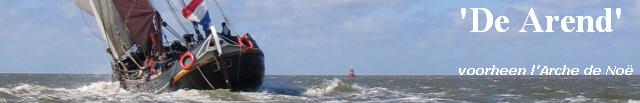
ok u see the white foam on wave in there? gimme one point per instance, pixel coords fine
(272, 97)
(34, 93)
(184, 95)
(633, 101)
(93, 92)
(578, 99)
(111, 92)
(335, 90)
(2, 100)
(508, 95)
(467, 89)
(379, 93)
(27, 89)
(329, 91)
(425, 87)
(562, 91)
(423, 100)
(101, 88)
(437, 94)
(334, 86)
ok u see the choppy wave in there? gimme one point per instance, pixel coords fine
(337, 91)
(329, 91)
(325, 90)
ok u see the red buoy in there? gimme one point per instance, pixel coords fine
(351, 74)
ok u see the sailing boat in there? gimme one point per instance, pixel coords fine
(143, 59)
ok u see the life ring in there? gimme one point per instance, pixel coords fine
(245, 38)
(191, 61)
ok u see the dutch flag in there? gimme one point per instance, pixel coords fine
(197, 11)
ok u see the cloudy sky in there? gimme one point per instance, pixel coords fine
(326, 36)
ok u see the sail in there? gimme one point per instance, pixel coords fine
(124, 23)
(84, 5)
(140, 17)
(109, 23)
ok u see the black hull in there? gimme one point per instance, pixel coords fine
(244, 72)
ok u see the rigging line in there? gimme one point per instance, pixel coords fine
(90, 29)
(224, 71)
(200, 70)
(176, 17)
(219, 8)
(224, 16)
(205, 78)
(239, 61)
(184, 20)
(194, 25)
(184, 4)
(231, 27)
(94, 34)
(174, 33)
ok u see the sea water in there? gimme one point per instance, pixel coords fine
(66, 88)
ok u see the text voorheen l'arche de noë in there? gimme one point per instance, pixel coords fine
(548, 70)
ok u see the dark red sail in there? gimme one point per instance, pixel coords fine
(139, 16)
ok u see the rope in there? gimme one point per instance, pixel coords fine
(239, 60)
(231, 27)
(174, 33)
(224, 74)
(86, 23)
(239, 57)
(233, 32)
(219, 8)
(194, 24)
(219, 68)
(205, 77)
(90, 29)
(175, 16)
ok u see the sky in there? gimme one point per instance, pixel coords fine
(325, 37)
